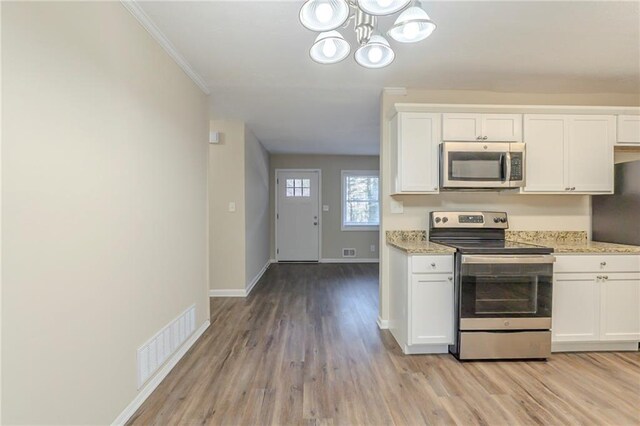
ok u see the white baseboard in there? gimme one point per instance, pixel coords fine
(144, 393)
(383, 324)
(593, 346)
(255, 279)
(350, 260)
(239, 292)
(228, 293)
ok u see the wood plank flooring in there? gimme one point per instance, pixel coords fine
(304, 348)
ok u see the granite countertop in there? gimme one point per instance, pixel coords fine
(569, 242)
(415, 242)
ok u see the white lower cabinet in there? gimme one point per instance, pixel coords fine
(421, 308)
(596, 310)
(431, 300)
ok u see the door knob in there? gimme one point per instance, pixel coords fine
(315, 223)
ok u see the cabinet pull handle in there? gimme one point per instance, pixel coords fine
(433, 264)
(606, 277)
(567, 189)
(573, 188)
(450, 278)
(603, 264)
(485, 138)
(479, 138)
(599, 277)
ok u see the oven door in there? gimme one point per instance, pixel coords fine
(505, 292)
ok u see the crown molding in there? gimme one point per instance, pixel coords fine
(134, 8)
(397, 91)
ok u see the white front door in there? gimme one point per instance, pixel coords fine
(297, 215)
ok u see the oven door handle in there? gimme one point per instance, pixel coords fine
(468, 259)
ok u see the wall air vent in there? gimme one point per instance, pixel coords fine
(348, 252)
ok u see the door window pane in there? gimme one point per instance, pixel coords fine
(298, 188)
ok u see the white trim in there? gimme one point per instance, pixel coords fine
(320, 219)
(135, 9)
(350, 260)
(593, 346)
(363, 227)
(382, 324)
(255, 279)
(141, 397)
(224, 292)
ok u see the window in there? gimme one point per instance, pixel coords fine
(298, 188)
(360, 200)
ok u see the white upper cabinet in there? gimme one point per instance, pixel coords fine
(545, 137)
(569, 153)
(628, 129)
(590, 166)
(482, 127)
(415, 139)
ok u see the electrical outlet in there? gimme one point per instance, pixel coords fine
(325, 208)
(372, 248)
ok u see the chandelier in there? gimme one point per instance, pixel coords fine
(374, 51)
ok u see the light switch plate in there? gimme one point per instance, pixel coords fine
(232, 206)
(325, 208)
(396, 206)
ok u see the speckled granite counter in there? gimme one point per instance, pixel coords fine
(569, 242)
(415, 242)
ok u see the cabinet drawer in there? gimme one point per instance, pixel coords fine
(432, 264)
(597, 263)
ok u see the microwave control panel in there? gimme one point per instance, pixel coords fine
(516, 166)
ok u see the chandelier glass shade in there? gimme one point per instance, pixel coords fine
(374, 51)
(329, 48)
(324, 15)
(411, 26)
(382, 7)
(377, 53)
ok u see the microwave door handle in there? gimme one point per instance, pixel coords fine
(503, 168)
(507, 167)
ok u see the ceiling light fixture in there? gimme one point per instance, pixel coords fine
(325, 16)
(329, 48)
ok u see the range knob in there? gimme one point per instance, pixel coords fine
(438, 220)
(445, 219)
(496, 220)
(503, 220)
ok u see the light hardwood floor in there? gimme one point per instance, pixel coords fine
(304, 348)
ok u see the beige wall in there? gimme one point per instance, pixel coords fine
(257, 231)
(333, 238)
(238, 173)
(103, 207)
(226, 185)
(526, 212)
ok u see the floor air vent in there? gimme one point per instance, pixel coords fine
(348, 252)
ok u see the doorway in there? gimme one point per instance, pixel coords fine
(298, 215)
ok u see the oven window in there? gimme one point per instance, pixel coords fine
(476, 166)
(505, 290)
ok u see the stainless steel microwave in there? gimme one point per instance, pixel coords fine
(481, 165)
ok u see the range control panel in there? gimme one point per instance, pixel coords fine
(493, 220)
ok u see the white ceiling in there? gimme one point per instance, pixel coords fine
(253, 55)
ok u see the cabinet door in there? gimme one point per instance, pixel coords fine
(545, 136)
(418, 141)
(431, 312)
(576, 308)
(620, 307)
(590, 153)
(502, 127)
(629, 129)
(461, 127)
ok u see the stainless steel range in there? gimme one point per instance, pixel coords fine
(503, 289)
